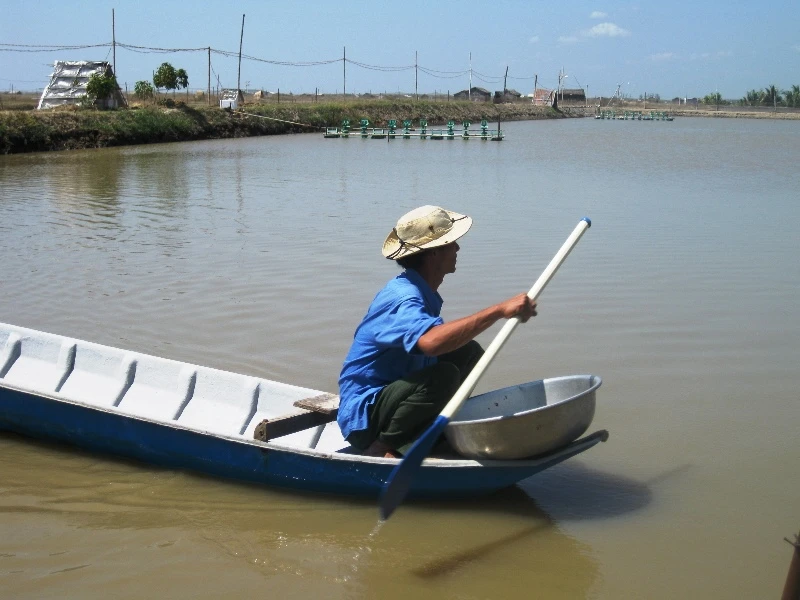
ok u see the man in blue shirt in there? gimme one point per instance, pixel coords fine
(405, 362)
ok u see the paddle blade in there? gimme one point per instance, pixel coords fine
(396, 487)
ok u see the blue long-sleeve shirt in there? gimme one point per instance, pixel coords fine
(385, 345)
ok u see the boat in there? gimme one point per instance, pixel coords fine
(184, 416)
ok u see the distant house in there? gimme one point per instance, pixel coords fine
(262, 94)
(68, 85)
(507, 95)
(476, 94)
(543, 97)
(573, 96)
(231, 99)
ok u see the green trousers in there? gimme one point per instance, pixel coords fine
(405, 408)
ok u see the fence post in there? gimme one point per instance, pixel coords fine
(791, 590)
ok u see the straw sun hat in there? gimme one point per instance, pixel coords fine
(422, 228)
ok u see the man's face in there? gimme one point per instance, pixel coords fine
(448, 257)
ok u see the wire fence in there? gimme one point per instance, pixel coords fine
(341, 63)
(214, 87)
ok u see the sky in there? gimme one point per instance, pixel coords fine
(673, 49)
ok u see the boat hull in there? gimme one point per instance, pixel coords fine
(47, 418)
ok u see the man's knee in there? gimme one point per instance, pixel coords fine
(474, 353)
(447, 378)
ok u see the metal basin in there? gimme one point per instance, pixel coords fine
(525, 420)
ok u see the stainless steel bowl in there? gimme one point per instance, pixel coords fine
(525, 420)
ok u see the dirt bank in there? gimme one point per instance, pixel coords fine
(38, 131)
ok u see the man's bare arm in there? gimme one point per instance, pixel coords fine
(451, 336)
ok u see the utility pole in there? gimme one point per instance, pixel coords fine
(113, 44)
(344, 71)
(469, 91)
(208, 89)
(239, 75)
(416, 75)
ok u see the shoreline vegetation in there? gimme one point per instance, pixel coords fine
(76, 128)
(80, 128)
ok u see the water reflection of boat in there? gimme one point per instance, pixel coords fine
(187, 416)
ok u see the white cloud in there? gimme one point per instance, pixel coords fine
(663, 56)
(534, 39)
(796, 48)
(708, 56)
(598, 15)
(606, 30)
(567, 39)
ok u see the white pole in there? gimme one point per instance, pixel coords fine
(469, 91)
(500, 339)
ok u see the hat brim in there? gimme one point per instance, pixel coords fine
(393, 249)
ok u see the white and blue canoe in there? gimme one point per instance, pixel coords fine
(186, 416)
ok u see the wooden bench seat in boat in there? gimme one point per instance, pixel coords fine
(311, 412)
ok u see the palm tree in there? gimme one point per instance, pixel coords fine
(792, 96)
(752, 98)
(772, 96)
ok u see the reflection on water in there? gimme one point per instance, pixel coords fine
(574, 491)
(301, 542)
(260, 255)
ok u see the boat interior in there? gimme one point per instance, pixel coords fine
(156, 389)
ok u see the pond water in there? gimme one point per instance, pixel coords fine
(261, 255)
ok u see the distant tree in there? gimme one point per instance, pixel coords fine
(772, 96)
(169, 78)
(715, 98)
(752, 98)
(100, 87)
(792, 96)
(182, 79)
(143, 90)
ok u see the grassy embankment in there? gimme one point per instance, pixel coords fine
(66, 129)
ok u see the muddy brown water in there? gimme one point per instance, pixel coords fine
(260, 256)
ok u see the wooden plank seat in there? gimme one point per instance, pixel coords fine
(313, 411)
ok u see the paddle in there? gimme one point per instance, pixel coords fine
(399, 482)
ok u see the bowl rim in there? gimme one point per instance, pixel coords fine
(596, 383)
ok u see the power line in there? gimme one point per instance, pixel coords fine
(379, 68)
(4, 47)
(33, 48)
